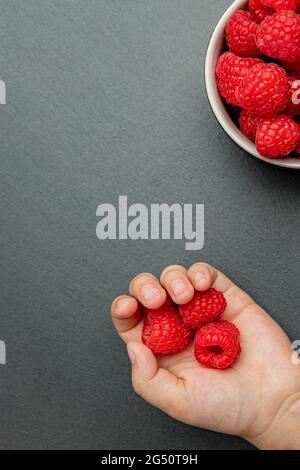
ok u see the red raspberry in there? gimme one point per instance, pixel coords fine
(292, 68)
(228, 326)
(217, 345)
(264, 90)
(255, 4)
(241, 33)
(230, 71)
(204, 307)
(164, 331)
(292, 108)
(249, 123)
(259, 15)
(278, 36)
(297, 148)
(258, 11)
(277, 137)
(278, 5)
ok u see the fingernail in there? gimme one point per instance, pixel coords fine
(121, 303)
(178, 287)
(131, 355)
(150, 292)
(200, 277)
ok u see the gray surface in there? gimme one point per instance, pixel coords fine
(106, 97)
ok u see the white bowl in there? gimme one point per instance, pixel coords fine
(215, 49)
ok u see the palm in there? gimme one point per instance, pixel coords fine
(230, 400)
(266, 353)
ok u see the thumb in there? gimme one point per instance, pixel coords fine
(157, 386)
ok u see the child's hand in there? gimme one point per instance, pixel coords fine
(258, 398)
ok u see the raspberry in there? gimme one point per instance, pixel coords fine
(278, 5)
(264, 90)
(277, 137)
(255, 4)
(259, 15)
(217, 345)
(204, 307)
(249, 123)
(241, 33)
(278, 36)
(259, 12)
(164, 331)
(292, 68)
(297, 148)
(228, 326)
(292, 108)
(230, 71)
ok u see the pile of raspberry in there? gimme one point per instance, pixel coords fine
(170, 330)
(259, 74)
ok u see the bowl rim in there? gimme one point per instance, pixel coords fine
(217, 104)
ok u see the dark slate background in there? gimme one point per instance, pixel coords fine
(106, 97)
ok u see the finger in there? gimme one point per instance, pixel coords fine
(147, 290)
(126, 314)
(175, 281)
(168, 303)
(200, 276)
(203, 276)
(157, 386)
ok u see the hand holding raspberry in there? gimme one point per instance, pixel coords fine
(235, 401)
